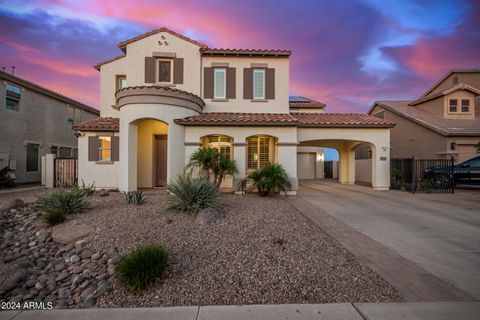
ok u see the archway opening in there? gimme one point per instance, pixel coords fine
(152, 153)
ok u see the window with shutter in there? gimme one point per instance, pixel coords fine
(259, 84)
(104, 148)
(220, 83)
(164, 67)
(259, 152)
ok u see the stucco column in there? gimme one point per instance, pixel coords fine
(127, 173)
(190, 148)
(380, 167)
(351, 166)
(239, 157)
(176, 151)
(287, 157)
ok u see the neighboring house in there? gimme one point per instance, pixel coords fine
(35, 121)
(167, 95)
(444, 122)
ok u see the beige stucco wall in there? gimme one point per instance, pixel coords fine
(104, 175)
(363, 171)
(320, 158)
(277, 105)
(147, 130)
(459, 95)
(108, 86)
(138, 50)
(409, 139)
(465, 148)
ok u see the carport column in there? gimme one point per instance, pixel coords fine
(239, 157)
(380, 167)
(127, 179)
(287, 157)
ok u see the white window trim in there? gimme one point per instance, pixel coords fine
(157, 68)
(215, 70)
(263, 85)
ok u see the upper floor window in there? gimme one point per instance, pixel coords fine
(220, 83)
(121, 82)
(259, 84)
(164, 67)
(104, 148)
(465, 105)
(453, 107)
(12, 97)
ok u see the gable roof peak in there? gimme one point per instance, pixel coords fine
(449, 73)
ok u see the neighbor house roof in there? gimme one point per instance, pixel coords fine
(245, 52)
(446, 127)
(464, 70)
(99, 124)
(299, 102)
(122, 45)
(316, 120)
(52, 94)
(454, 88)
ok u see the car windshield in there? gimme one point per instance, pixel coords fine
(472, 163)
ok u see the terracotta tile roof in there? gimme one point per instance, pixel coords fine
(341, 120)
(244, 52)
(446, 127)
(98, 65)
(303, 102)
(239, 119)
(123, 44)
(316, 120)
(162, 88)
(99, 124)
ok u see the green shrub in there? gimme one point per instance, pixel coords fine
(426, 185)
(212, 163)
(54, 217)
(67, 201)
(192, 194)
(135, 197)
(141, 268)
(269, 179)
(87, 189)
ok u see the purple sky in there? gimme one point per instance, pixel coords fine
(345, 53)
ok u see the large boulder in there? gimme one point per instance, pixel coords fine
(11, 204)
(69, 233)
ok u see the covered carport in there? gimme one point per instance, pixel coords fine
(344, 132)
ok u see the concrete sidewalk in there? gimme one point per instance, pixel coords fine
(339, 311)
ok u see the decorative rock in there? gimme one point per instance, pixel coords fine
(208, 215)
(32, 244)
(62, 276)
(74, 259)
(39, 286)
(88, 291)
(89, 302)
(86, 254)
(116, 259)
(65, 233)
(77, 279)
(96, 256)
(43, 235)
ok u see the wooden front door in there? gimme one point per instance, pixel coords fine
(160, 160)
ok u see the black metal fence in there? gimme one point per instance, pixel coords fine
(66, 172)
(422, 175)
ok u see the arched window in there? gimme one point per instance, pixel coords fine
(260, 151)
(222, 144)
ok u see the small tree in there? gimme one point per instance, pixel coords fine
(212, 163)
(477, 147)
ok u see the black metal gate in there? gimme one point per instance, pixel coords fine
(422, 175)
(66, 172)
(328, 168)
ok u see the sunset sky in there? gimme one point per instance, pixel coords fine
(345, 53)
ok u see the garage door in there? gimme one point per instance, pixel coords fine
(306, 165)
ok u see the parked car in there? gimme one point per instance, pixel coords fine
(466, 173)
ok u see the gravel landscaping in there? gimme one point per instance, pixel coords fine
(262, 252)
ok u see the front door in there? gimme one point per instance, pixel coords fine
(160, 160)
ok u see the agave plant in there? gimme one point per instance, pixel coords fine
(134, 197)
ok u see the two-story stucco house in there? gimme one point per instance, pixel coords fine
(35, 121)
(444, 122)
(167, 95)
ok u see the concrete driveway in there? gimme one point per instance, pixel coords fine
(439, 232)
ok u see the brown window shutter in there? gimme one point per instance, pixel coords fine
(115, 155)
(92, 148)
(248, 83)
(208, 83)
(178, 70)
(149, 70)
(231, 83)
(270, 83)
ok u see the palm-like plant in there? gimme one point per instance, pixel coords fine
(269, 179)
(203, 159)
(223, 166)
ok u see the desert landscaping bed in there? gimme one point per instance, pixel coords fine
(262, 251)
